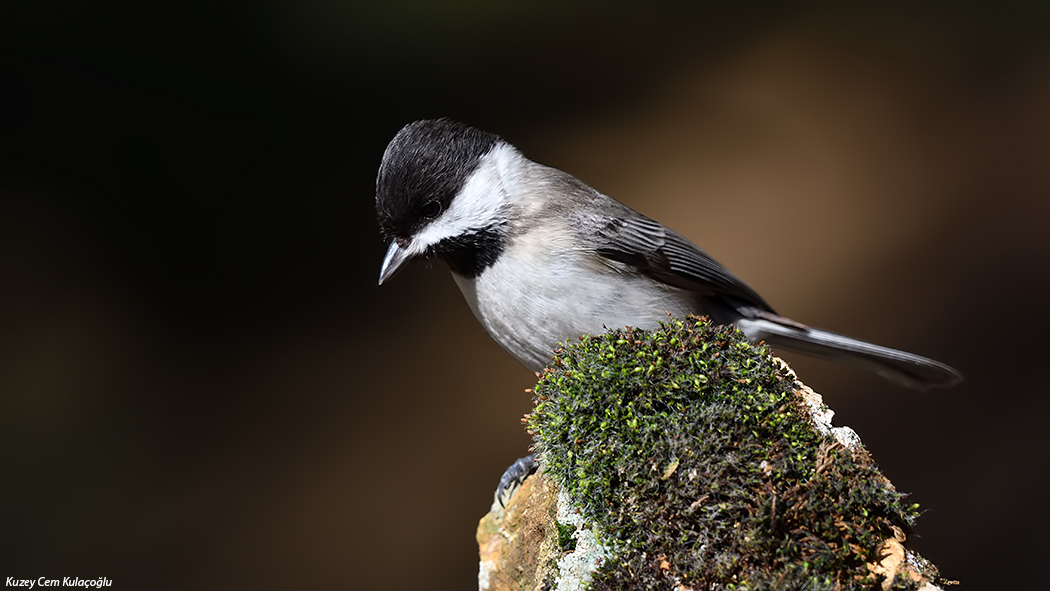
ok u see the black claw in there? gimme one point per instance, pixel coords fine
(514, 476)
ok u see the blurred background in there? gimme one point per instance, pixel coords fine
(201, 384)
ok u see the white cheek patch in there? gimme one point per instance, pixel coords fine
(478, 205)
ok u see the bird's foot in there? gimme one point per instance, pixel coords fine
(513, 477)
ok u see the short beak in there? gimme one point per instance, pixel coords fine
(395, 258)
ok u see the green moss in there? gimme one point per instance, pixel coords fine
(688, 448)
(566, 542)
(902, 583)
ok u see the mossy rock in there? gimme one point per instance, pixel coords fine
(695, 458)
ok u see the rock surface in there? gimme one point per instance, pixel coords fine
(543, 542)
(520, 549)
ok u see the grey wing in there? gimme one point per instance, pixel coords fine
(664, 255)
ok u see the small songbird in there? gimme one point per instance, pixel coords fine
(541, 257)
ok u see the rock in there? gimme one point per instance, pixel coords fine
(685, 458)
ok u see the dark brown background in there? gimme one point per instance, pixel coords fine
(201, 384)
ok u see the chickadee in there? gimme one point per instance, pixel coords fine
(541, 257)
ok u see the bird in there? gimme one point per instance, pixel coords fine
(542, 258)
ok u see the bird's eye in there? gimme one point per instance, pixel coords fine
(431, 210)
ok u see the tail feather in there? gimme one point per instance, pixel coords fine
(900, 367)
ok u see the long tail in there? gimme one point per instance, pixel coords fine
(905, 369)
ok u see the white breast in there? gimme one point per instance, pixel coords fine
(541, 292)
